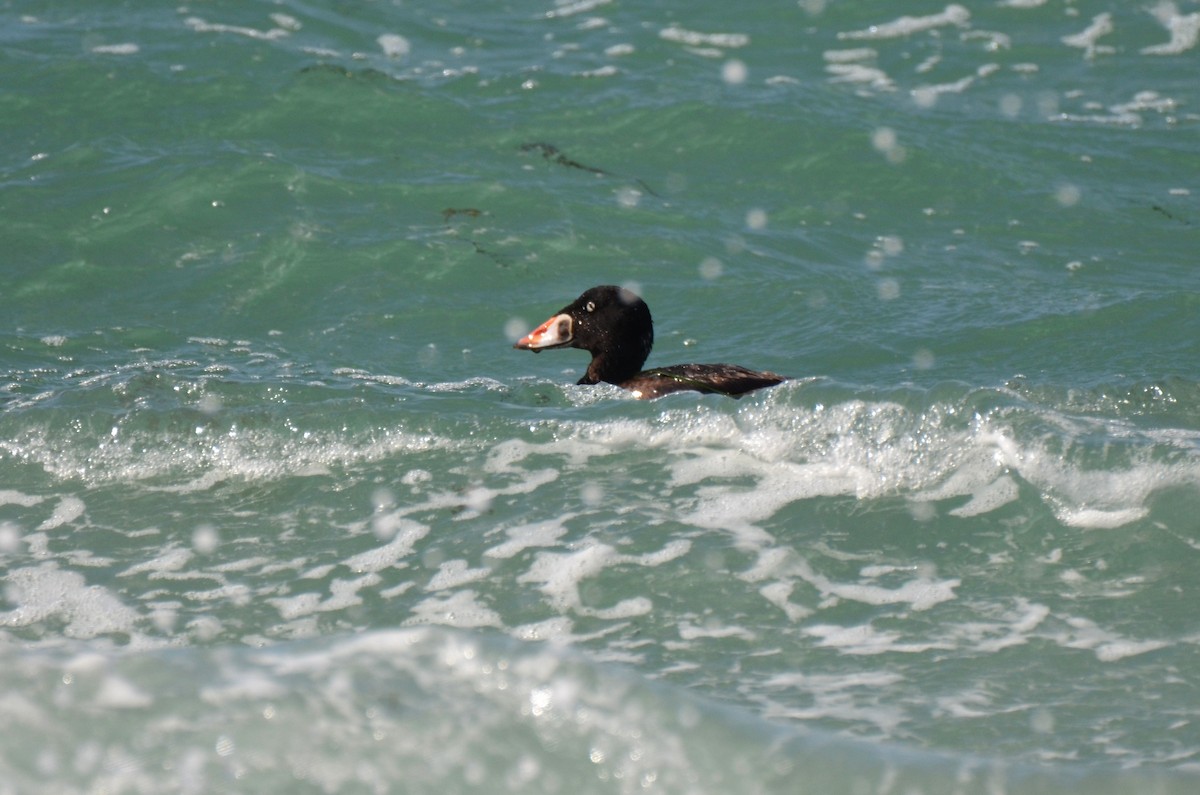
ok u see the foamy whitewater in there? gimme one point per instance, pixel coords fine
(282, 510)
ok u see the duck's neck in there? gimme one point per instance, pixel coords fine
(612, 369)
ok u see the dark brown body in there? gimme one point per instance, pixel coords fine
(614, 325)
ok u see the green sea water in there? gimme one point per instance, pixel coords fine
(281, 509)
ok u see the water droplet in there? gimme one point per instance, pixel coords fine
(1068, 195)
(885, 141)
(515, 328)
(205, 539)
(756, 218)
(10, 537)
(382, 499)
(224, 746)
(1010, 105)
(592, 494)
(710, 268)
(629, 197)
(734, 72)
(1041, 721)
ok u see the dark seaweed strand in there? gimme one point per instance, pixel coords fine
(556, 155)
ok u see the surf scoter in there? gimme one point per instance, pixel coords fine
(613, 324)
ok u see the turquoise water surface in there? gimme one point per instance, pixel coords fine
(281, 509)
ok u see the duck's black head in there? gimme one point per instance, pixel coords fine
(611, 323)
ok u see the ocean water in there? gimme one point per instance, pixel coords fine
(281, 509)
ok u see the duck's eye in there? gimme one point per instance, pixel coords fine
(591, 306)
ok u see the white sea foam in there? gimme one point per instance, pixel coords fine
(290, 607)
(1145, 101)
(1015, 627)
(559, 576)
(207, 458)
(127, 48)
(249, 684)
(201, 26)
(733, 475)
(850, 56)
(569, 8)
(537, 534)
(866, 640)
(694, 38)
(690, 631)
(1098, 519)
(12, 497)
(921, 593)
(46, 592)
(729, 473)
(170, 561)
(68, 510)
(393, 45)
(779, 594)
(953, 14)
(455, 609)
(454, 573)
(342, 594)
(1184, 30)
(783, 567)
(970, 703)
(860, 73)
(117, 692)
(926, 96)
(1086, 39)
(557, 629)
(988, 497)
(407, 534)
(1108, 646)
(838, 698)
